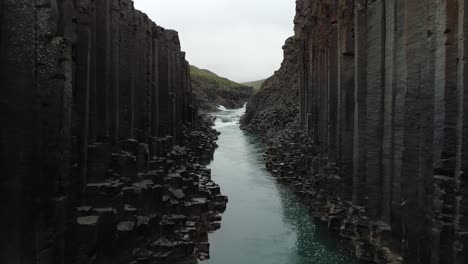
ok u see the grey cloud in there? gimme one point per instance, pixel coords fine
(238, 39)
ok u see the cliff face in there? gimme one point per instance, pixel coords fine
(211, 91)
(276, 104)
(381, 150)
(382, 95)
(99, 150)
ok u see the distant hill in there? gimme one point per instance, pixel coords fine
(255, 84)
(212, 90)
(209, 75)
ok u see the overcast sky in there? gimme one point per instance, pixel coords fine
(237, 39)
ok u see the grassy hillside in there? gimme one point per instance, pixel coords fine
(255, 84)
(208, 75)
(211, 90)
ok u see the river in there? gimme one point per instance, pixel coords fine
(264, 222)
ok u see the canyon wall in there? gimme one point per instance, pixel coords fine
(276, 104)
(379, 149)
(382, 94)
(95, 100)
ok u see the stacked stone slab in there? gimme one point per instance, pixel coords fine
(96, 98)
(383, 96)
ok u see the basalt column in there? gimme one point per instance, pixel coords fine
(103, 67)
(416, 178)
(374, 96)
(461, 221)
(187, 111)
(174, 83)
(81, 95)
(398, 87)
(345, 96)
(360, 106)
(445, 131)
(154, 81)
(114, 91)
(35, 134)
(89, 22)
(332, 94)
(126, 71)
(163, 84)
(303, 16)
(142, 93)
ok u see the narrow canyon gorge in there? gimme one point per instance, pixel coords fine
(352, 152)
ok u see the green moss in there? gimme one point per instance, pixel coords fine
(212, 77)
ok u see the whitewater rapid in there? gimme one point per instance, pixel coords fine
(228, 117)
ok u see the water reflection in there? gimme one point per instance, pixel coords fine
(314, 244)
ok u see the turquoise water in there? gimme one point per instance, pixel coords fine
(264, 223)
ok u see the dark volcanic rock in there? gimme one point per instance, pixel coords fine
(100, 144)
(276, 104)
(379, 148)
(292, 158)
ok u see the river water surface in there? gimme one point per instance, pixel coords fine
(263, 223)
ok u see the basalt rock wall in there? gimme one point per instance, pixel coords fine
(276, 104)
(383, 98)
(94, 98)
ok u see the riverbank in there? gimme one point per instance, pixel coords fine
(155, 208)
(294, 161)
